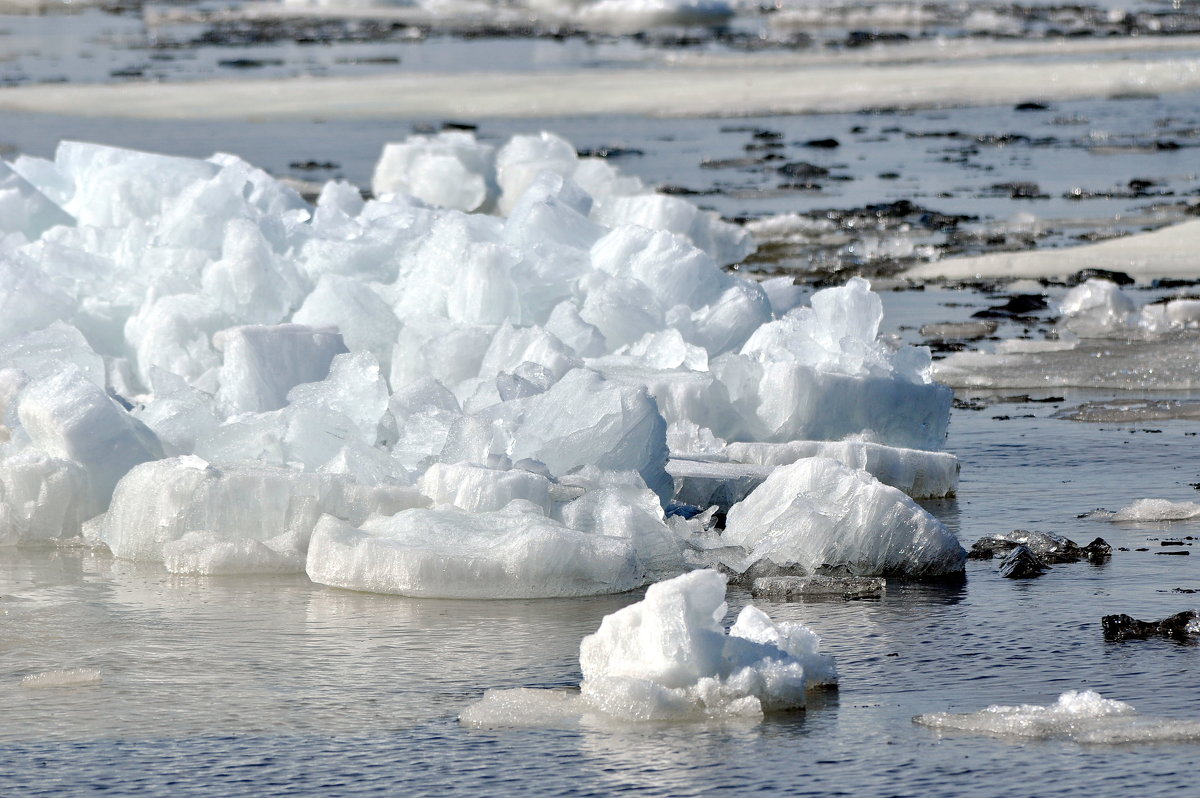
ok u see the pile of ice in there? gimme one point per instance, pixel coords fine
(1084, 716)
(1099, 309)
(198, 368)
(668, 657)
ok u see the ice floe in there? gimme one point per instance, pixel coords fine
(668, 658)
(1105, 340)
(1082, 716)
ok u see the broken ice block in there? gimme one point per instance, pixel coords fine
(818, 512)
(262, 363)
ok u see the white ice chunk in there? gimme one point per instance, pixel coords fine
(41, 498)
(1144, 510)
(112, 187)
(818, 512)
(263, 363)
(161, 502)
(70, 417)
(24, 209)
(355, 309)
(44, 353)
(586, 420)
(515, 552)
(451, 170)
(355, 388)
(477, 489)
(519, 162)
(668, 657)
(920, 474)
(1098, 307)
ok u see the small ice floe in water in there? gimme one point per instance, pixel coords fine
(73, 677)
(1022, 563)
(667, 658)
(1179, 626)
(1084, 717)
(1045, 546)
(1153, 510)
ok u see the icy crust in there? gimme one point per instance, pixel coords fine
(668, 658)
(1082, 716)
(818, 514)
(199, 367)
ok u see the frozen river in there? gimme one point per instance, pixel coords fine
(260, 685)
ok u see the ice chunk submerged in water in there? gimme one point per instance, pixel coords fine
(668, 658)
(1083, 716)
(818, 514)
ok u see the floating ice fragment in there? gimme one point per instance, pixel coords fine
(74, 677)
(1084, 717)
(1147, 510)
(668, 658)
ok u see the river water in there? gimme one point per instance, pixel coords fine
(262, 685)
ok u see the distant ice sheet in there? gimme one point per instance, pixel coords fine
(711, 87)
(1082, 716)
(1169, 252)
